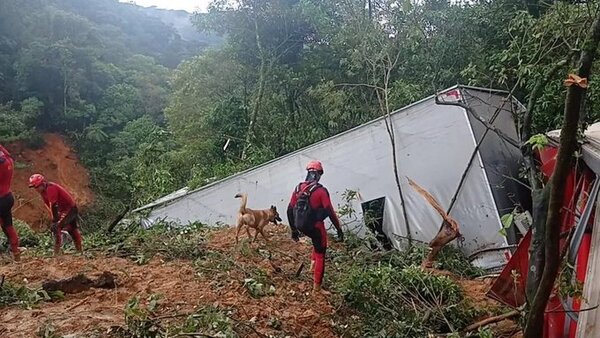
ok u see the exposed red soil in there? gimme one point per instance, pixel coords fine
(182, 288)
(185, 289)
(55, 160)
(100, 308)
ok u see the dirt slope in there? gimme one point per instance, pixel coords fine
(186, 288)
(101, 308)
(57, 161)
(183, 290)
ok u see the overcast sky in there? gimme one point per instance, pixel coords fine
(188, 5)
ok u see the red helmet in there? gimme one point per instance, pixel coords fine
(36, 180)
(314, 165)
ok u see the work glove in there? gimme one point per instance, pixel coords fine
(340, 235)
(295, 235)
(54, 227)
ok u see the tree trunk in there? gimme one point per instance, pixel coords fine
(539, 195)
(536, 248)
(390, 130)
(65, 90)
(568, 145)
(261, 89)
(526, 130)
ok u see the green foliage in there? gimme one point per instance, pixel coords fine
(393, 297)
(569, 286)
(213, 262)
(19, 124)
(538, 142)
(258, 289)
(48, 331)
(211, 321)
(450, 257)
(88, 70)
(38, 243)
(453, 259)
(507, 221)
(138, 319)
(139, 244)
(27, 237)
(393, 301)
(11, 295)
(141, 321)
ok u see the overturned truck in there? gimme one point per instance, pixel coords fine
(460, 145)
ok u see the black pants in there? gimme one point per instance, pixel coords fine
(6, 204)
(69, 222)
(318, 236)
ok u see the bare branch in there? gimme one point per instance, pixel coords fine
(358, 85)
(491, 320)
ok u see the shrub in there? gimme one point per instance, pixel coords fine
(11, 294)
(404, 302)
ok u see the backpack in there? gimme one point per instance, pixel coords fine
(304, 215)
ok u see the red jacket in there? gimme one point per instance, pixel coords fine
(6, 171)
(319, 199)
(57, 195)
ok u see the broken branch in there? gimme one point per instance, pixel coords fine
(491, 320)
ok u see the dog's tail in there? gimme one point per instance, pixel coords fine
(244, 198)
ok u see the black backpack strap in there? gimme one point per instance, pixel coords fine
(313, 187)
(309, 189)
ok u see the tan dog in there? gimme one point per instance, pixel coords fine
(256, 219)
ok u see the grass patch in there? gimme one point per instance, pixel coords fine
(20, 295)
(138, 244)
(450, 257)
(388, 294)
(213, 263)
(404, 302)
(142, 320)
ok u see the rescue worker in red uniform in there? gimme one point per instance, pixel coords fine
(321, 206)
(7, 201)
(63, 210)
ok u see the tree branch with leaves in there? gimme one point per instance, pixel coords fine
(576, 89)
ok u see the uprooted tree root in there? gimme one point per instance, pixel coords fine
(80, 283)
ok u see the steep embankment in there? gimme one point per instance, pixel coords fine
(57, 161)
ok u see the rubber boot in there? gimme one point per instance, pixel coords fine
(318, 291)
(316, 288)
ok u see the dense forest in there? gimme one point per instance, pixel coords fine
(150, 111)
(154, 100)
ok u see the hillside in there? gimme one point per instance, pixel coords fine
(57, 161)
(181, 21)
(168, 36)
(96, 72)
(149, 108)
